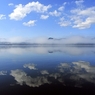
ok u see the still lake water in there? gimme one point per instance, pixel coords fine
(41, 70)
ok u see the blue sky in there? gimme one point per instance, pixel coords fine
(47, 18)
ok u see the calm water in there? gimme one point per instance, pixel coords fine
(32, 70)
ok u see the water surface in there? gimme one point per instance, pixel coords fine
(30, 70)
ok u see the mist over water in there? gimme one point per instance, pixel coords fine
(50, 40)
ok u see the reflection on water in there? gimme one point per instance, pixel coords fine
(79, 72)
(30, 66)
(36, 67)
(43, 50)
(22, 77)
(3, 72)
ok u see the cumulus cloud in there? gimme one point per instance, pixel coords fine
(10, 4)
(22, 78)
(31, 66)
(2, 16)
(55, 13)
(64, 22)
(79, 3)
(44, 16)
(61, 8)
(30, 23)
(83, 18)
(65, 3)
(21, 11)
(80, 17)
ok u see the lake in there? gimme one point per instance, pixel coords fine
(41, 70)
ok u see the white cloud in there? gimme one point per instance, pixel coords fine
(64, 22)
(65, 3)
(84, 12)
(30, 23)
(30, 66)
(82, 25)
(84, 18)
(21, 11)
(2, 16)
(79, 17)
(44, 16)
(87, 12)
(79, 3)
(79, 23)
(76, 19)
(61, 8)
(55, 13)
(10, 4)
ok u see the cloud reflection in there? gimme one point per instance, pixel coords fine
(76, 73)
(3, 72)
(21, 77)
(84, 65)
(48, 49)
(55, 75)
(43, 72)
(63, 66)
(31, 66)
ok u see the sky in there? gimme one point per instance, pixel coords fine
(46, 18)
